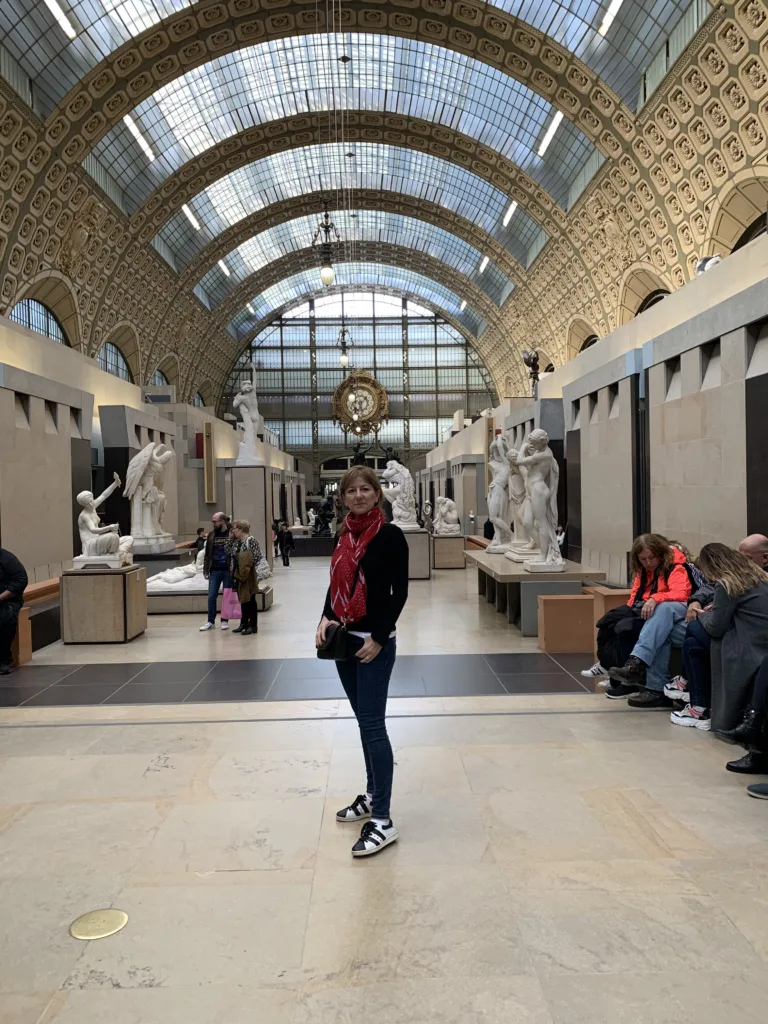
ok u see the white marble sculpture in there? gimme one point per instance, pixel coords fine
(524, 546)
(498, 497)
(181, 579)
(707, 263)
(297, 524)
(446, 520)
(144, 489)
(426, 516)
(103, 547)
(402, 495)
(252, 423)
(311, 516)
(540, 514)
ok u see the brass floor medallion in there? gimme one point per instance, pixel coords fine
(98, 924)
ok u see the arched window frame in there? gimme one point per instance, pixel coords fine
(37, 317)
(111, 360)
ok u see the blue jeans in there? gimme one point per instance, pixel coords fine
(661, 632)
(366, 687)
(216, 579)
(698, 664)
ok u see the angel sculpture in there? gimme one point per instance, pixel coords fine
(143, 487)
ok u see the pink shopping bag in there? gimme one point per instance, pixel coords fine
(230, 606)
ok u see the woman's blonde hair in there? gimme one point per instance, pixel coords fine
(242, 525)
(658, 546)
(736, 572)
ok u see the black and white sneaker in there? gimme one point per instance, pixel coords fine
(618, 691)
(359, 809)
(374, 838)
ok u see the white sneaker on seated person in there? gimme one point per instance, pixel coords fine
(595, 672)
(678, 689)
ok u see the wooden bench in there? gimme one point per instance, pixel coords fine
(35, 593)
(480, 543)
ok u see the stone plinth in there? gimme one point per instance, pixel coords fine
(103, 606)
(154, 545)
(418, 554)
(447, 552)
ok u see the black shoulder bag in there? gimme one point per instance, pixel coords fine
(336, 644)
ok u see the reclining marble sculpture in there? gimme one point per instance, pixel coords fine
(143, 487)
(103, 547)
(181, 579)
(446, 519)
(401, 493)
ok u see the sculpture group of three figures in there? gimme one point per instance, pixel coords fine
(144, 481)
(522, 502)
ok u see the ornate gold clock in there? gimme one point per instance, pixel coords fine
(360, 404)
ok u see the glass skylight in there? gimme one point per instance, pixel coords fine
(355, 276)
(278, 79)
(357, 225)
(55, 63)
(374, 166)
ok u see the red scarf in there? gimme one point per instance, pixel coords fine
(352, 545)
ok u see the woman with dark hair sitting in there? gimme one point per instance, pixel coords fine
(637, 638)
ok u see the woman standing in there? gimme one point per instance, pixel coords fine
(244, 556)
(369, 588)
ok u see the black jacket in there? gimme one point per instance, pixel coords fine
(208, 556)
(13, 576)
(385, 565)
(285, 542)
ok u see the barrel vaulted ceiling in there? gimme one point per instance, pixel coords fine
(452, 139)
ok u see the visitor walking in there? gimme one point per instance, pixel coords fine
(368, 590)
(216, 567)
(245, 555)
(286, 543)
(13, 583)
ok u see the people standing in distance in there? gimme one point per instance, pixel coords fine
(244, 556)
(285, 543)
(216, 566)
(200, 540)
(368, 590)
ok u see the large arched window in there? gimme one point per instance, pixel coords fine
(112, 360)
(37, 317)
(759, 226)
(198, 401)
(589, 342)
(651, 300)
(159, 380)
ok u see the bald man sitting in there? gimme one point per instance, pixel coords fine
(755, 547)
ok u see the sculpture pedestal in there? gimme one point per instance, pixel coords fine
(418, 554)
(497, 549)
(533, 566)
(516, 555)
(154, 545)
(447, 552)
(101, 561)
(103, 606)
(408, 527)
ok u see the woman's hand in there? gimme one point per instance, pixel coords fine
(648, 609)
(694, 611)
(320, 631)
(369, 650)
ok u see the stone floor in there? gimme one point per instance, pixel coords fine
(562, 861)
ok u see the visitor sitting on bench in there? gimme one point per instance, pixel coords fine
(13, 582)
(649, 624)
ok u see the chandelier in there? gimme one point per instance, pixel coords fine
(345, 343)
(322, 244)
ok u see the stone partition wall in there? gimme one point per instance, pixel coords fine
(607, 486)
(698, 441)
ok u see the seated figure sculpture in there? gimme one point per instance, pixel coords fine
(102, 545)
(446, 520)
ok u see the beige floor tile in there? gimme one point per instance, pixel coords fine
(115, 777)
(162, 738)
(444, 832)
(740, 891)
(36, 951)
(604, 933)
(539, 767)
(258, 736)
(183, 936)
(34, 741)
(266, 834)
(626, 875)
(722, 816)
(214, 1004)
(511, 730)
(427, 925)
(671, 997)
(274, 773)
(418, 770)
(462, 1000)
(72, 840)
(23, 1009)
